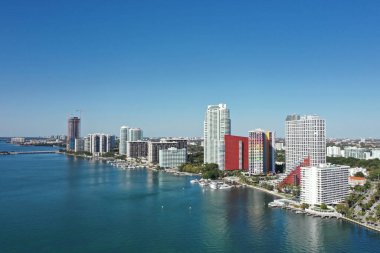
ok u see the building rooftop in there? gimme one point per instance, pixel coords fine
(357, 178)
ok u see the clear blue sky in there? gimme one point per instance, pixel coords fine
(158, 64)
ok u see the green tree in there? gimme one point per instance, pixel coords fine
(359, 174)
(342, 208)
(323, 206)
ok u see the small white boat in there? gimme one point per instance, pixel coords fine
(203, 183)
(214, 185)
(194, 181)
(225, 186)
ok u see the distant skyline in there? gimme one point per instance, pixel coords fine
(158, 64)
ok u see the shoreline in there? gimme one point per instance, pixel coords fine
(277, 195)
(363, 225)
(375, 229)
(267, 191)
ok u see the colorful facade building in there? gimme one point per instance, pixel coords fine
(236, 152)
(261, 152)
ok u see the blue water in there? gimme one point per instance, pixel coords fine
(54, 203)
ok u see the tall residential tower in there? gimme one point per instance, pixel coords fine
(261, 152)
(305, 138)
(135, 134)
(73, 132)
(124, 131)
(217, 124)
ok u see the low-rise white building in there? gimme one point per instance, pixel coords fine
(358, 153)
(324, 184)
(17, 140)
(334, 151)
(172, 157)
(375, 153)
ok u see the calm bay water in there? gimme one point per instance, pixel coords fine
(55, 203)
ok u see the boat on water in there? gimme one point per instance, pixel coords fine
(203, 183)
(194, 181)
(225, 186)
(214, 185)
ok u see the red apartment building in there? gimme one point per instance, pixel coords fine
(236, 152)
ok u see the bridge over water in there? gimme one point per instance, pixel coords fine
(29, 152)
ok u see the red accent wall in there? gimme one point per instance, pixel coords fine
(232, 152)
(290, 179)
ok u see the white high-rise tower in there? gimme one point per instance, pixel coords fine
(135, 134)
(305, 138)
(123, 140)
(216, 125)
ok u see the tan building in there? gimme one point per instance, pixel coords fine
(354, 181)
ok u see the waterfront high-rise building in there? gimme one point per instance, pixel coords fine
(135, 134)
(172, 157)
(79, 145)
(99, 143)
(136, 149)
(87, 143)
(236, 152)
(155, 147)
(217, 124)
(124, 131)
(110, 142)
(305, 138)
(181, 143)
(325, 183)
(261, 152)
(95, 143)
(73, 132)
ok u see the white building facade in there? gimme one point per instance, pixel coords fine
(172, 157)
(334, 151)
(79, 145)
(124, 131)
(325, 183)
(17, 140)
(135, 134)
(99, 143)
(87, 144)
(216, 125)
(305, 138)
(375, 153)
(358, 153)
